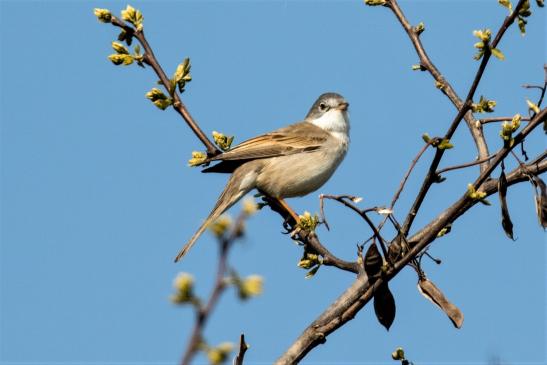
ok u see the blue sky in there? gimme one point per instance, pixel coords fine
(96, 197)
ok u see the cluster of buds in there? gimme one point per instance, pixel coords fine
(508, 128)
(221, 225)
(222, 141)
(484, 36)
(103, 15)
(483, 106)
(182, 75)
(308, 222)
(248, 287)
(184, 289)
(440, 143)
(310, 260)
(159, 98)
(197, 159)
(121, 56)
(219, 354)
(133, 16)
(477, 194)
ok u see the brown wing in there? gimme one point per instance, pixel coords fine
(297, 138)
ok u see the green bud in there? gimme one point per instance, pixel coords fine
(133, 16)
(497, 53)
(483, 106)
(308, 222)
(426, 137)
(220, 354)
(445, 145)
(419, 28)
(522, 25)
(119, 59)
(532, 106)
(197, 159)
(222, 141)
(507, 4)
(119, 48)
(103, 15)
(484, 35)
(182, 74)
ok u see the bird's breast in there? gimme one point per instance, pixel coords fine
(300, 174)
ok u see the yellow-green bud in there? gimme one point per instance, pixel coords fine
(250, 286)
(249, 206)
(119, 59)
(308, 222)
(220, 225)
(223, 141)
(197, 159)
(120, 48)
(218, 355)
(532, 106)
(103, 15)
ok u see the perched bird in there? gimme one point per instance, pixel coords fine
(288, 162)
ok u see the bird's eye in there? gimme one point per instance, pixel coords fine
(322, 106)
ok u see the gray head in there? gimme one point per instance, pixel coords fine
(325, 103)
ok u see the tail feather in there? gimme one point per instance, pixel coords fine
(231, 194)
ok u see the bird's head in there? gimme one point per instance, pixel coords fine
(330, 112)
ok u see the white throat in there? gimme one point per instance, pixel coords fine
(334, 121)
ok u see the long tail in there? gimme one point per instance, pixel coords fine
(231, 194)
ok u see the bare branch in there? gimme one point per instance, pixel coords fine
(501, 119)
(464, 165)
(360, 292)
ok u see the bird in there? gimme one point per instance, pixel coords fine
(288, 162)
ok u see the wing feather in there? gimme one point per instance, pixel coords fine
(296, 138)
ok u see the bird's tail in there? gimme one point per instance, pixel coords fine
(231, 194)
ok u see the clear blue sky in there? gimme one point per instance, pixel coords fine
(96, 197)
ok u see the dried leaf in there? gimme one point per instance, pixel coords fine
(384, 306)
(540, 199)
(506, 222)
(373, 262)
(431, 292)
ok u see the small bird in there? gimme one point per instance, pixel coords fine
(288, 162)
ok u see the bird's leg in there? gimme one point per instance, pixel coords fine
(289, 210)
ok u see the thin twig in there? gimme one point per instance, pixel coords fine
(501, 119)
(363, 214)
(464, 165)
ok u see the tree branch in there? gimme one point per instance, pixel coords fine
(360, 292)
(446, 87)
(431, 175)
(178, 105)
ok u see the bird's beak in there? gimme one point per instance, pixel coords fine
(343, 106)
